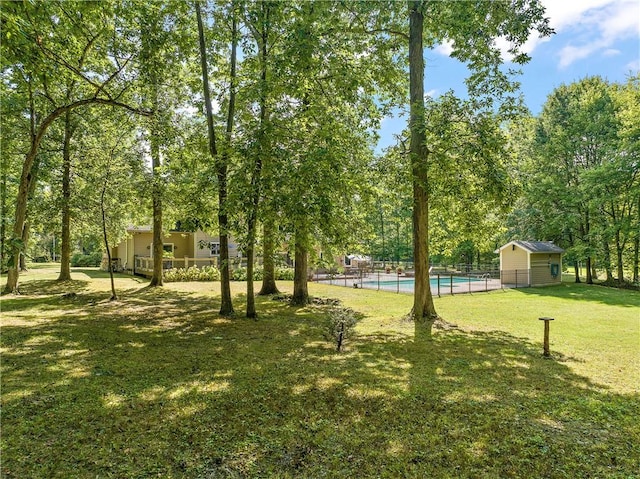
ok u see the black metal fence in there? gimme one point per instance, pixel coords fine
(441, 283)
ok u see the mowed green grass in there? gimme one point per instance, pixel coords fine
(157, 385)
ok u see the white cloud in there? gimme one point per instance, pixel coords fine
(634, 66)
(611, 52)
(445, 49)
(596, 26)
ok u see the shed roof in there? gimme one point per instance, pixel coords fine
(535, 246)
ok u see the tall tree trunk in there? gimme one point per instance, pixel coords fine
(301, 266)
(636, 245)
(151, 68)
(105, 238)
(158, 246)
(268, 261)
(65, 250)
(262, 38)
(607, 258)
(384, 257)
(636, 258)
(26, 233)
(576, 270)
(587, 230)
(619, 251)
(423, 313)
(226, 306)
(3, 213)
(251, 236)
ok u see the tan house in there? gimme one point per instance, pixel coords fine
(134, 255)
(530, 263)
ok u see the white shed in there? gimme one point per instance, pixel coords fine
(530, 263)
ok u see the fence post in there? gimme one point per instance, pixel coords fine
(398, 283)
(545, 351)
(516, 279)
(451, 284)
(469, 278)
(438, 285)
(378, 280)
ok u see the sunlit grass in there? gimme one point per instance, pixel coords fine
(156, 384)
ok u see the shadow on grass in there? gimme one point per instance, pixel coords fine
(95, 273)
(587, 292)
(157, 384)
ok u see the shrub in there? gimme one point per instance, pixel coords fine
(84, 260)
(339, 325)
(284, 274)
(207, 273)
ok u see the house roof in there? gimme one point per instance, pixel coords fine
(535, 246)
(139, 229)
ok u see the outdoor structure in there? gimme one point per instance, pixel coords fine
(530, 263)
(182, 250)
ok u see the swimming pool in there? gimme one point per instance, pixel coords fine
(448, 284)
(409, 283)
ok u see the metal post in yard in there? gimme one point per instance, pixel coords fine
(439, 285)
(516, 279)
(378, 280)
(451, 284)
(469, 278)
(398, 283)
(546, 352)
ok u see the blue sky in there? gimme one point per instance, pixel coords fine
(593, 37)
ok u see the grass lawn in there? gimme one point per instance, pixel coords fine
(157, 385)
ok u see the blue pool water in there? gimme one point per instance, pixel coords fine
(408, 284)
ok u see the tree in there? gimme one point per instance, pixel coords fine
(221, 161)
(473, 29)
(109, 177)
(576, 134)
(33, 42)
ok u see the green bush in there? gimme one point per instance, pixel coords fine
(284, 274)
(207, 273)
(210, 273)
(84, 260)
(339, 325)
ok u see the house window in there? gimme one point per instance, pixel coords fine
(166, 247)
(214, 248)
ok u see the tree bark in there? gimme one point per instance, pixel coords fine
(636, 246)
(619, 251)
(150, 67)
(423, 313)
(636, 258)
(256, 177)
(607, 258)
(105, 238)
(65, 250)
(3, 214)
(268, 259)
(300, 281)
(226, 306)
